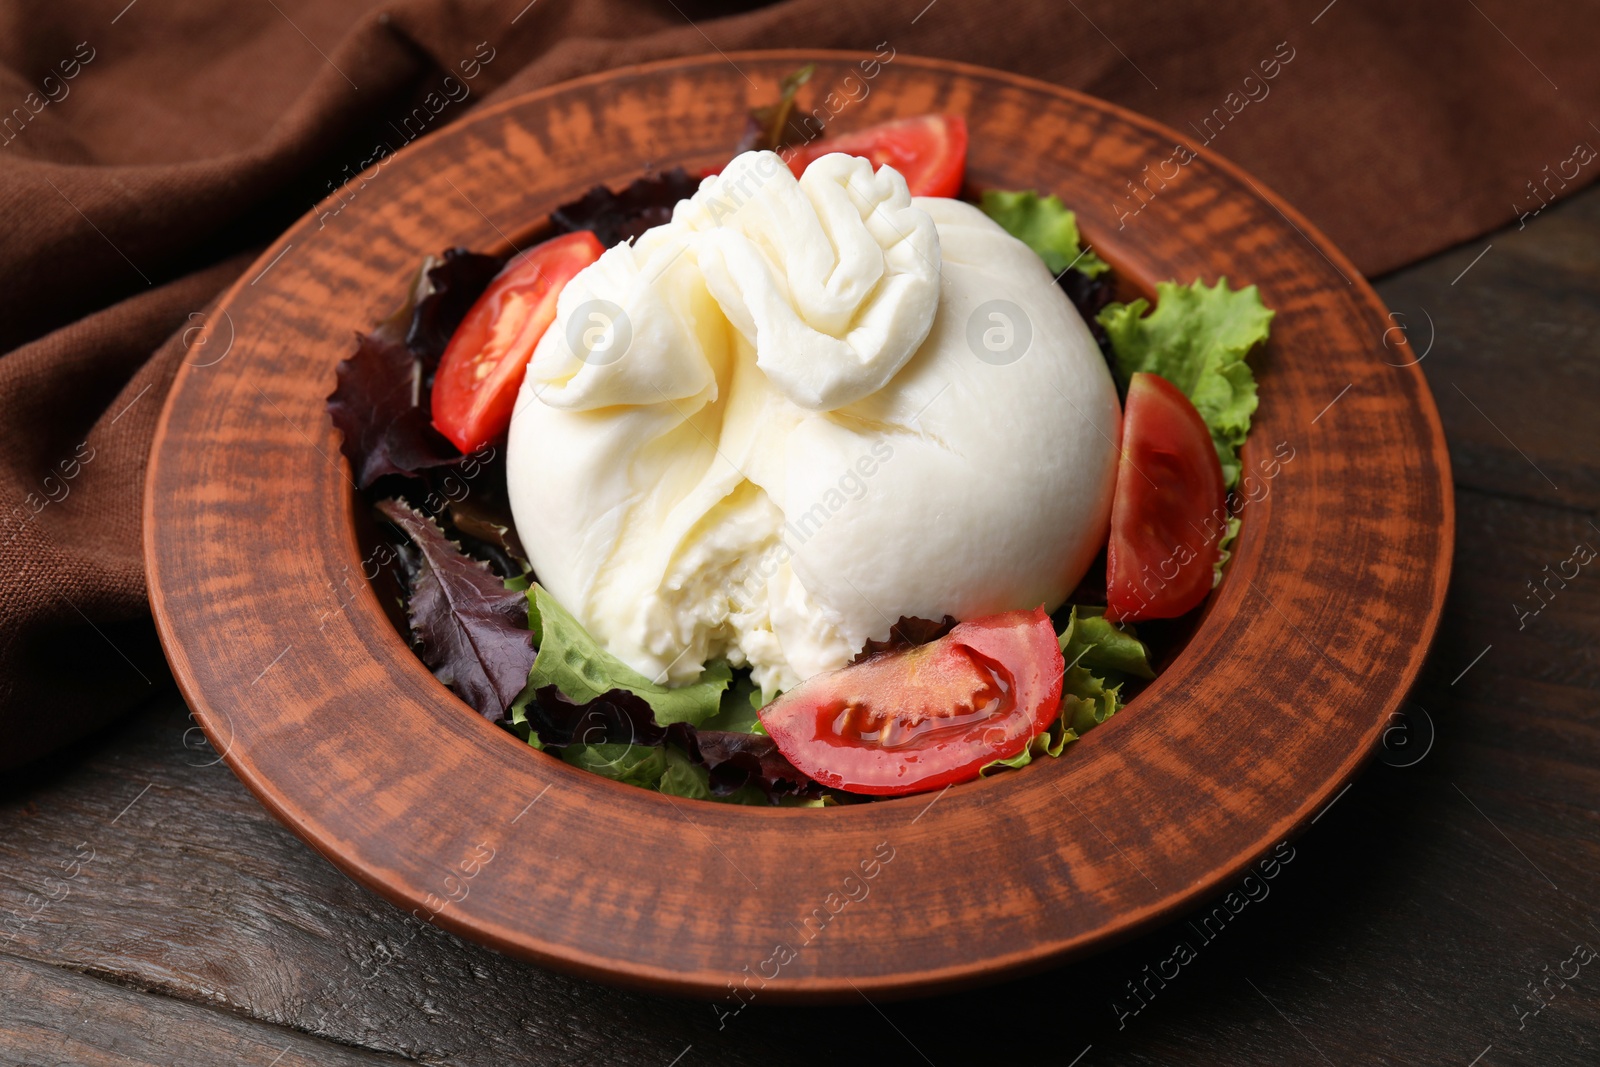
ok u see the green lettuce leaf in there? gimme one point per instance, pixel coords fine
(683, 778)
(641, 765)
(519, 724)
(1087, 701)
(1224, 553)
(1101, 657)
(574, 662)
(1044, 225)
(1197, 338)
(738, 711)
(1091, 641)
(676, 738)
(1051, 742)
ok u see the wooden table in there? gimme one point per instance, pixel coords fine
(1428, 917)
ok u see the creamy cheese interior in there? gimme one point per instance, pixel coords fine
(801, 410)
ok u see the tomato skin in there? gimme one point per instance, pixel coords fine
(1166, 510)
(926, 717)
(929, 151)
(475, 387)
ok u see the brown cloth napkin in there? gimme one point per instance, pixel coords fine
(149, 148)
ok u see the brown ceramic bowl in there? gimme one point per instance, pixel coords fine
(316, 702)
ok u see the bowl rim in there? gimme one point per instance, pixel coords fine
(529, 945)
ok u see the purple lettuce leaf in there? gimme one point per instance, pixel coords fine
(381, 400)
(734, 760)
(450, 284)
(622, 216)
(907, 632)
(470, 629)
(739, 759)
(380, 407)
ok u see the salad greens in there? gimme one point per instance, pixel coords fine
(701, 740)
(703, 765)
(380, 399)
(683, 778)
(664, 768)
(575, 663)
(468, 625)
(571, 697)
(1045, 225)
(1229, 531)
(907, 632)
(741, 703)
(1197, 338)
(621, 216)
(382, 418)
(449, 286)
(641, 765)
(1100, 659)
(1094, 643)
(616, 735)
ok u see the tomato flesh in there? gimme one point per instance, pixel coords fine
(929, 151)
(1167, 512)
(925, 717)
(475, 387)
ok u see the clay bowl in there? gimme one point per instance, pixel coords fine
(288, 660)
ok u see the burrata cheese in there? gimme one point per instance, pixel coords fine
(800, 410)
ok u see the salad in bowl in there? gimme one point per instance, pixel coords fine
(818, 478)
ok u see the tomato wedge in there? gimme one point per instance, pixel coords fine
(929, 151)
(475, 387)
(925, 717)
(1168, 504)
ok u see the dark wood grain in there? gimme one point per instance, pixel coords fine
(56, 1017)
(1404, 931)
(1518, 443)
(346, 736)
